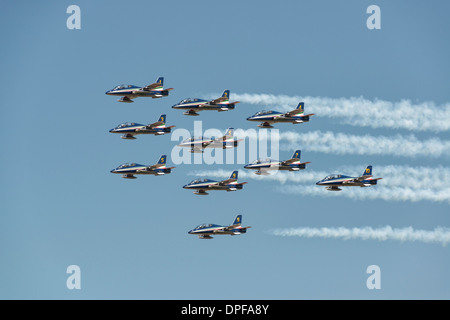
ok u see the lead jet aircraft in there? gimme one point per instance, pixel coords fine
(197, 145)
(129, 92)
(205, 231)
(129, 170)
(263, 166)
(267, 118)
(131, 129)
(202, 185)
(194, 105)
(333, 182)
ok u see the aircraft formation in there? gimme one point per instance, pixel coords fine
(201, 186)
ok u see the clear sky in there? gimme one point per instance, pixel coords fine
(61, 206)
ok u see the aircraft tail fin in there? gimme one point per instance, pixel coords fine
(296, 154)
(301, 107)
(237, 220)
(162, 160)
(229, 133)
(234, 175)
(162, 119)
(367, 172)
(160, 81)
(226, 94)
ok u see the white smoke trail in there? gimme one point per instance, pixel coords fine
(384, 192)
(357, 111)
(422, 178)
(342, 143)
(438, 235)
(400, 183)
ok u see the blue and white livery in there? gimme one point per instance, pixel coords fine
(128, 92)
(129, 170)
(194, 105)
(263, 167)
(198, 144)
(207, 230)
(267, 118)
(333, 182)
(201, 186)
(131, 129)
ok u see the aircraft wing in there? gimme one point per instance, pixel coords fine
(232, 226)
(297, 112)
(357, 179)
(262, 172)
(218, 100)
(363, 178)
(155, 124)
(207, 143)
(151, 86)
(204, 236)
(293, 113)
(227, 181)
(158, 166)
(196, 149)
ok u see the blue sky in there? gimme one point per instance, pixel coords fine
(61, 205)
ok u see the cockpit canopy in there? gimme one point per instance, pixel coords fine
(205, 225)
(198, 181)
(189, 100)
(123, 86)
(127, 124)
(127, 165)
(193, 139)
(264, 112)
(260, 161)
(333, 176)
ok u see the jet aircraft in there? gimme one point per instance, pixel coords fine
(263, 166)
(197, 145)
(333, 182)
(267, 118)
(194, 105)
(205, 231)
(129, 170)
(202, 185)
(131, 129)
(129, 92)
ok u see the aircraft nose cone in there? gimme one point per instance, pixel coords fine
(107, 92)
(246, 166)
(185, 186)
(112, 130)
(318, 183)
(113, 171)
(190, 232)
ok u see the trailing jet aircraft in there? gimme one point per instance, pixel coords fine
(194, 105)
(129, 92)
(131, 129)
(129, 170)
(205, 231)
(202, 185)
(197, 145)
(263, 166)
(333, 182)
(267, 118)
